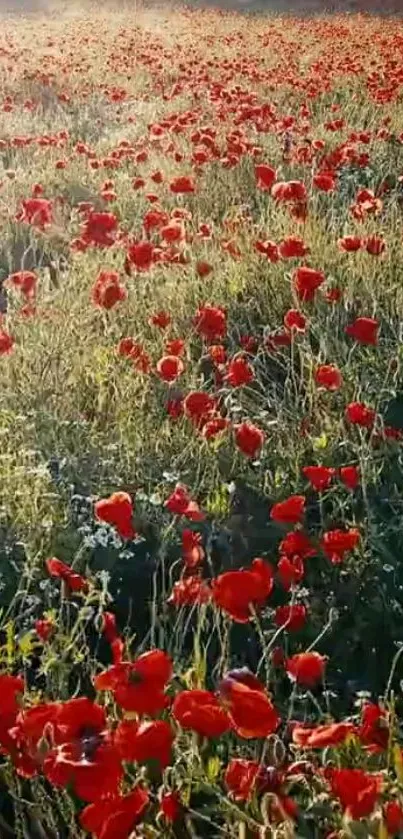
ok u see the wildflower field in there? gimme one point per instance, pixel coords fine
(201, 425)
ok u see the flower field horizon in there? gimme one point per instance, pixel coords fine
(201, 420)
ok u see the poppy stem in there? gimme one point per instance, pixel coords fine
(392, 672)
(330, 622)
(242, 830)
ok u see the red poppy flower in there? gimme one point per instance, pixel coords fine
(182, 184)
(24, 754)
(181, 213)
(129, 348)
(118, 511)
(350, 244)
(31, 729)
(170, 806)
(290, 511)
(109, 629)
(180, 504)
(56, 568)
(32, 724)
(36, 211)
(296, 543)
(84, 755)
(364, 330)
(157, 177)
(144, 741)
(290, 571)
(192, 549)
(281, 807)
(375, 245)
(11, 687)
(328, 376)
(374, 730)
(294, 320)
(359, 414)
(265, 176)
(117, 650)
(320, 477)
(249, 438)
(278, 339)
(215, 426)
(161, 320)
(72, 719)
(44, 628)
(154, 219)
(25, 281)
(306, 668)
(268, 249)
(108, 290)
(29, 310)
(250, 709)
(139, 685)
(141, 156)
(239, 592)
(350, 475)
(289, 191)
(200, 711)
(241, 778)
(169, 368)
(115, 817)
(190, 591)
(364, 195)
(249, 343)
(211, 322)
(356, 790)
(85, 207)
(325, 181)
(99, 229)
(239, 371)
(333, 295)
(322, 736)
(306, 282)
(292, 247)
(393, 817)
(174, 407)
(389, 433)
(204, 231)
(199, 407)
(141, 362)
(292, 617)
(203, 268)
(175, 347)
(336, 543)
(139, 256)
(6, 342)
(172, 232)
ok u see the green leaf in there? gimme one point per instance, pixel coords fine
(320, 443)
(217, 503)
(26, 644)
(398, 763)
(213, 768)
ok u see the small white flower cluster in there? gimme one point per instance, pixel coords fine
(102, 537)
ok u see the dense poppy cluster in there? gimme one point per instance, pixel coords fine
(200, 282)
(95, 748)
